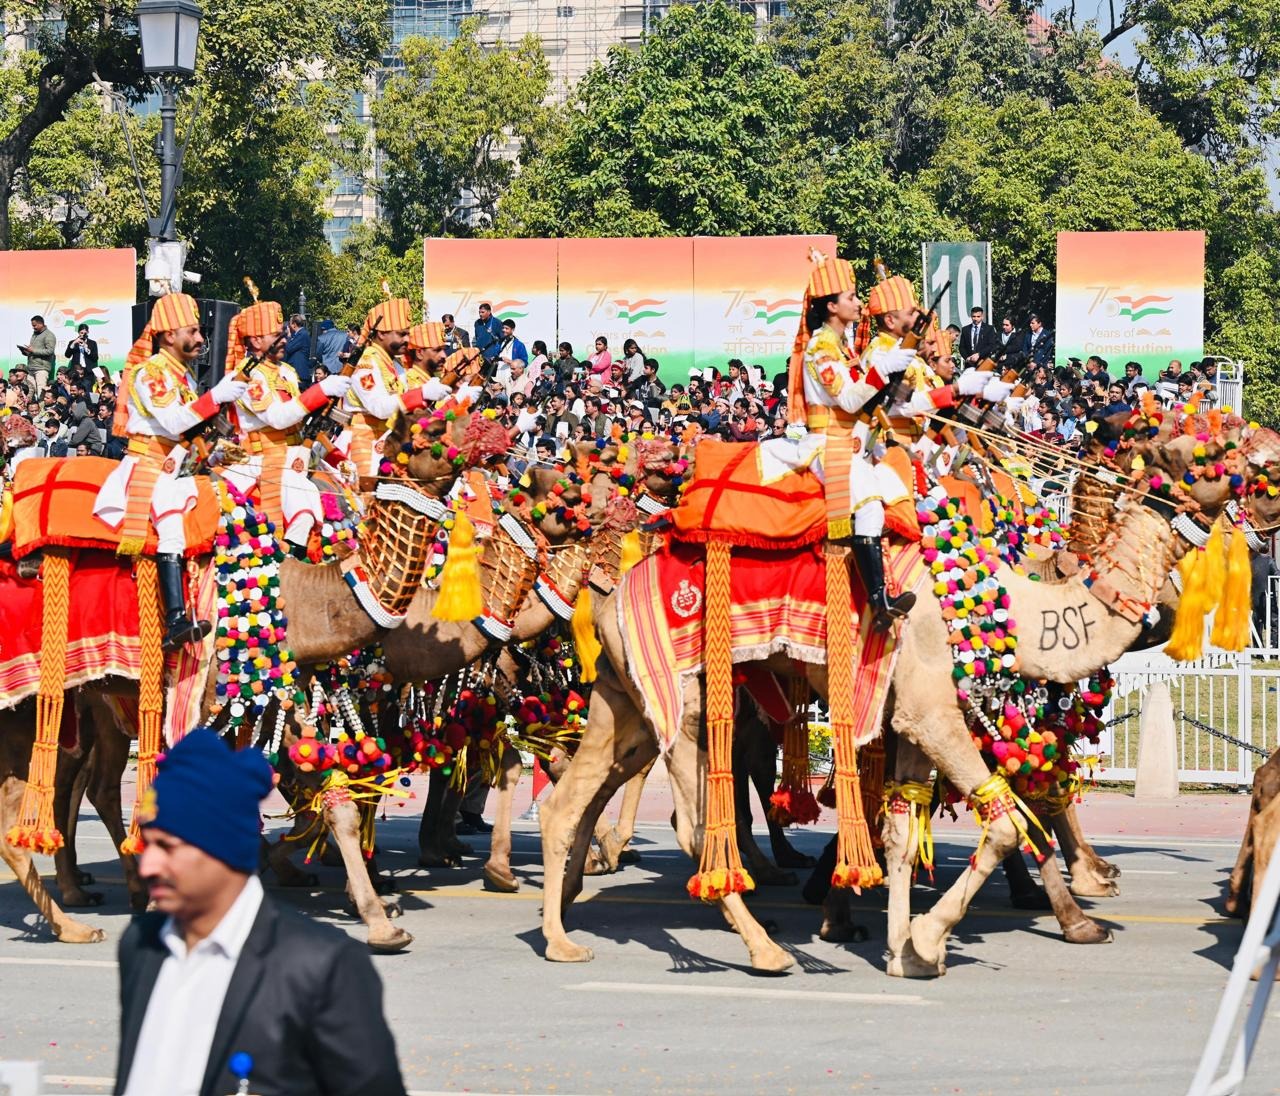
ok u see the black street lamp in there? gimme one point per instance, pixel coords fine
(169, 30)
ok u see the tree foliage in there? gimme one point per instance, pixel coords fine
(447, 120)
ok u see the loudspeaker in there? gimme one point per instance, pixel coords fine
(215, 318)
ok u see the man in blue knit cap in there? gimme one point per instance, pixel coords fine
(220, 984)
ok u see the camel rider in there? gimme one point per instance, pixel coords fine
(828, 390)
(378, 390)
(424, 353)
(156, 405)
(269, 415)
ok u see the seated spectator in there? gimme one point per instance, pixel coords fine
(1117, 403)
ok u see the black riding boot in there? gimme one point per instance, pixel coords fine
(180, 628)
(870, 563)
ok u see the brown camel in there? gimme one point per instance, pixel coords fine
(618, 743)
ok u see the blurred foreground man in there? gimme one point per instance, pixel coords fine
(219, 983)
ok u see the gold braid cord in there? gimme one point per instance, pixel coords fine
(720, 871)
(856, 864)
(150, 692)
(994, 799)
(794, 803)
(35, 829)
(916, 801)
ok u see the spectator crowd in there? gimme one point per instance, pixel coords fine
(548, 397)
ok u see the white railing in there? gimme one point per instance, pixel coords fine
(1230, 391)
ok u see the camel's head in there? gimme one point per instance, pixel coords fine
(661, 468)
(16, 433)
(1261, 453)
(434, 447)
(556, 504)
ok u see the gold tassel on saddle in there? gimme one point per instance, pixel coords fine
(585, 641)
(35, 829)
(720, 871)
(150, 692)
(856, 864)
(461, 593)
(793, 803)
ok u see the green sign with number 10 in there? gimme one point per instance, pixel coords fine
(968, 268)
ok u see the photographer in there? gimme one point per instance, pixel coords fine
(82, 352)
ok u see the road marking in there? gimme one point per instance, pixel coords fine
(69, 1079)
(748, 991)
(24, 961)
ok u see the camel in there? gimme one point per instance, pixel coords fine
(325, 622)
(617, 742)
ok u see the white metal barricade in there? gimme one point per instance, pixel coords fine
(1260, 948)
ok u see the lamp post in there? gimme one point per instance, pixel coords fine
(168, 30)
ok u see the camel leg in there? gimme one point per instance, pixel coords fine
(344, 826)
(70, 782)
(746, 743)
(437, 823)
(900, 843)
(615, 743)
(1024, 892)
(613, 840)
(1077, 928)
(944, 737)
(1091, 876)
(497, 869)
(687, 764)
(65, 927)
(111, 758)
(1242, 875)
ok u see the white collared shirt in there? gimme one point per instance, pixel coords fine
(186, 1001)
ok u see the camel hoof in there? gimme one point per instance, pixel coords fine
(565, 951)
(500, 879)
(390, 939)
(930, 952)
(772, 959)
(76, 933)
(1095, 888)
(1231, 906)
(1034, 899)
(910, 965)
(596, 865)
(1088, 931)
(436, 860)
(843, 932)
(787, 857)
(1110, 870)
(770, 876)
(460, 848)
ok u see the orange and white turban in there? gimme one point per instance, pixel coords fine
(260, 318)
(395, 314)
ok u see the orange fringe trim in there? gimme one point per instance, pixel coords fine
(856, 864)
(720, 871)
(150, 690)
(35, 829)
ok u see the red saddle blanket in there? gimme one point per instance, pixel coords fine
(779, 607)
(53, 502)
(102, 627)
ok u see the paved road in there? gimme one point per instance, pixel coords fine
(669, 1005)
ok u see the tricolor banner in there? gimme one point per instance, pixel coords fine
(68, 288)
(1131, 296)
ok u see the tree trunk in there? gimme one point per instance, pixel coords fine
(7, 169)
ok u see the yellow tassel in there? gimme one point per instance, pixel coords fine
(584, 636)
(1231, 622)
(632, 553)
(1215, 576)
(1187, 640)
(461, 595)
(6, 515)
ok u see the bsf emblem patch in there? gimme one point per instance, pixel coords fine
(856, 447)
(686, 601)
(367, 382)
(169, 467)
(299, 465)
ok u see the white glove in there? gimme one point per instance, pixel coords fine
(895, 360)
(996, 390)
(920, 404)
(228, 390)
(469, 392)
(796, 430)
(972, 382)
(526, 421)
(435, 389)
(335, 387)
(1015, 404)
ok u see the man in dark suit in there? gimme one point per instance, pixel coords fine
(978, 339)
(220, 984)
(1038, 345)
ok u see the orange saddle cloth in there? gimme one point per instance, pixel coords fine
(53, 499)
(728, 499)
